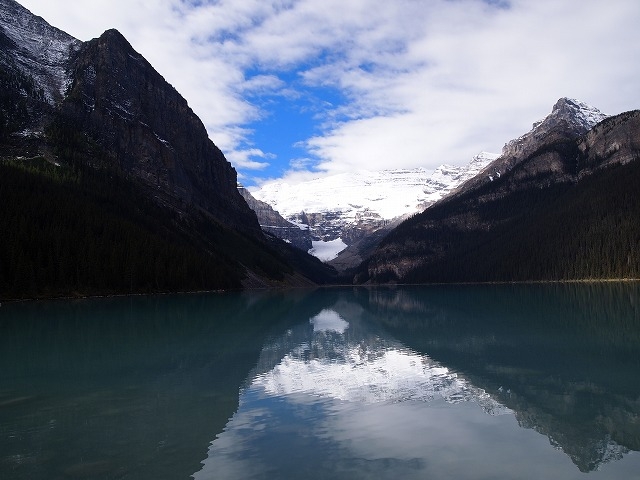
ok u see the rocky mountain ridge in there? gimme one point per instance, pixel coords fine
(559, 204)
(568, 120)
(568, 115)
(40, 50)
(273, 223)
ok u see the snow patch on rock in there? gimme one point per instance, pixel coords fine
(327, 250)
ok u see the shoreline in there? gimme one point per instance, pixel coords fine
(312, 287)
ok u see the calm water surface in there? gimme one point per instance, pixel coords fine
(471, 382)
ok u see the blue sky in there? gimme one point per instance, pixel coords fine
(303, 88)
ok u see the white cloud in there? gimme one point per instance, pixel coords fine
(424, 81)
(246, 158)
(476, 77)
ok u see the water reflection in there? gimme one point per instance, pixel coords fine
(535, 381)
(326, 364)
(447, 382)
(125, 388)
(564, 358)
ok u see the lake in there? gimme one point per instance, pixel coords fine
(434, 382)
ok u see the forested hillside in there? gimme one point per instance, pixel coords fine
(83, 231)
(568, 210)
(562, 233)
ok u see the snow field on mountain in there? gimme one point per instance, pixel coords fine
(385, 194)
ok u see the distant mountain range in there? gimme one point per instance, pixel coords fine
(559, 203)
(344, 209)
(361, 214)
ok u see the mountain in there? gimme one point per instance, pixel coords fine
(569, 118)
(34, 57)
(39, 50)
(345, 209)
(273, 223)
(112, 183)
(150, 131)
(560, 203)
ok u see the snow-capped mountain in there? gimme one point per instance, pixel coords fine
(341, 209)
(569, 118)
(560, 203)
(574, 116)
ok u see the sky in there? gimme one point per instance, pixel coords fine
(298, 89)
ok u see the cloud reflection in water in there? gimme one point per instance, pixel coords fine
(332, 395)
(336, 397)
(365, 373)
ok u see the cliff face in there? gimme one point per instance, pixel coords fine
(273, 223)
(147, 130)
(34, 57)
(37, 49)
(557, 205)
(613, 141)
(117, 187)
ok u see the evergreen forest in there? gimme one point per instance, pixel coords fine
(69, 229)
(568, 231)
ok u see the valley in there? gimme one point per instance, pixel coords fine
(112, 185)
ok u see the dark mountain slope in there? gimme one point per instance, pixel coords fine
(83, 232)
(33, 62)
(22, 103)
(110, 183)
(565, 210)
(273, 223)
(148, 130)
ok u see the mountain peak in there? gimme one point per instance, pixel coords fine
(569, 103)
(569, 118)
(576, 113)
(576, 116)
(113, 35)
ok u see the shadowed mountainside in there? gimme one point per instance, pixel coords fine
(561, 205)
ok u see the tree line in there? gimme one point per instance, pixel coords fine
(66, 233)
(588, 230)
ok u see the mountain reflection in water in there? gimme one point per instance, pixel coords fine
(438, 381)
(465, 382)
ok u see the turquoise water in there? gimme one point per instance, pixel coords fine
(465, 382)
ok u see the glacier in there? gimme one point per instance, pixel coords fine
(340, 208)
